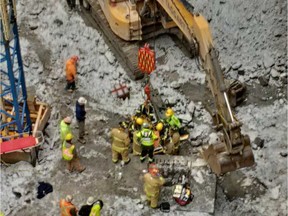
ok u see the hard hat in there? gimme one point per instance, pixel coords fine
(68, 137)
(139, 121)
(90, 200)
(145, 125)
(75, 58)
(169, 112)
(82, 101)
(153, 169)
(159, 126)
(69, 198)
(68, 120)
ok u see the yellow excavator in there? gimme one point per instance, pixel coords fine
(139, 20)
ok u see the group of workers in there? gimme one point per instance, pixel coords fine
(69, 152)
(92, 208)
(143, 130)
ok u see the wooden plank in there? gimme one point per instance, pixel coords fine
(37, 120)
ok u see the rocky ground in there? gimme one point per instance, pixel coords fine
(251, 39)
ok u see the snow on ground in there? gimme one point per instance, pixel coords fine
(251, 38)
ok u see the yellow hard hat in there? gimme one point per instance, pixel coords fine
(68, 137)
(159, 126)
(169, 112)
(139, 121)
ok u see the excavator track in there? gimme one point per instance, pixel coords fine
(126, 52)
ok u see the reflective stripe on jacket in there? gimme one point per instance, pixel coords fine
(64, 130)
(65, 208)
(96, 210)
(146, 137)
(152, 185)
(120, 139)
(67, 153)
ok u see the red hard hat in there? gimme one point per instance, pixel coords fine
(153, 169)
(75, 58)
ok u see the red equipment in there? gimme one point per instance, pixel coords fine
(146, 59)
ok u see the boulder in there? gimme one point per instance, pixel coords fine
(274, 73)
(259, 142)
(264, 81)
(268, 60)
(236, 66)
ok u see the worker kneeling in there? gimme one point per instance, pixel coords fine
(120, 144)
(69, 154)
(153, 181)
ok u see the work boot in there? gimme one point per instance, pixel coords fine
(142, 159)
(80, 170)
(126, 162)
(82, 141)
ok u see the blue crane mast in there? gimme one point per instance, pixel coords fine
(13, 88)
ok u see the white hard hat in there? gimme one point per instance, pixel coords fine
(69, 198)
(82, 101)
(68, 120)
(145, 125)
(90, 200)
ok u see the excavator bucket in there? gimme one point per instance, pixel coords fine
(220, 161)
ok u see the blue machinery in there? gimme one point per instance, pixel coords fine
(12, 79)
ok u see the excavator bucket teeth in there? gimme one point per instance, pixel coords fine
(222, 162)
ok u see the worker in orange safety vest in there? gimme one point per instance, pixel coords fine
(120, 144)
(69, 154)
(67, 208)
(71, 70)
(153, 181)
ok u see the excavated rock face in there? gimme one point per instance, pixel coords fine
(250, 36)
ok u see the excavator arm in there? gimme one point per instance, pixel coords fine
(138, 20)
(234, 151)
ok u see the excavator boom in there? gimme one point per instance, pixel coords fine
(134, 20)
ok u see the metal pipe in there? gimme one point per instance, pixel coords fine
(228, 105)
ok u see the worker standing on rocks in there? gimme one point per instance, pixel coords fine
(175, 123)
(146, 137)
(96, 208)
(86, 209)
(65, 128)
(67, 208)
(120, 144)
(172, 120)
(80, 116)
(71, 70)
(153, 181)
(69, 154)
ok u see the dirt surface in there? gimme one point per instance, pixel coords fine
(50, 34)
